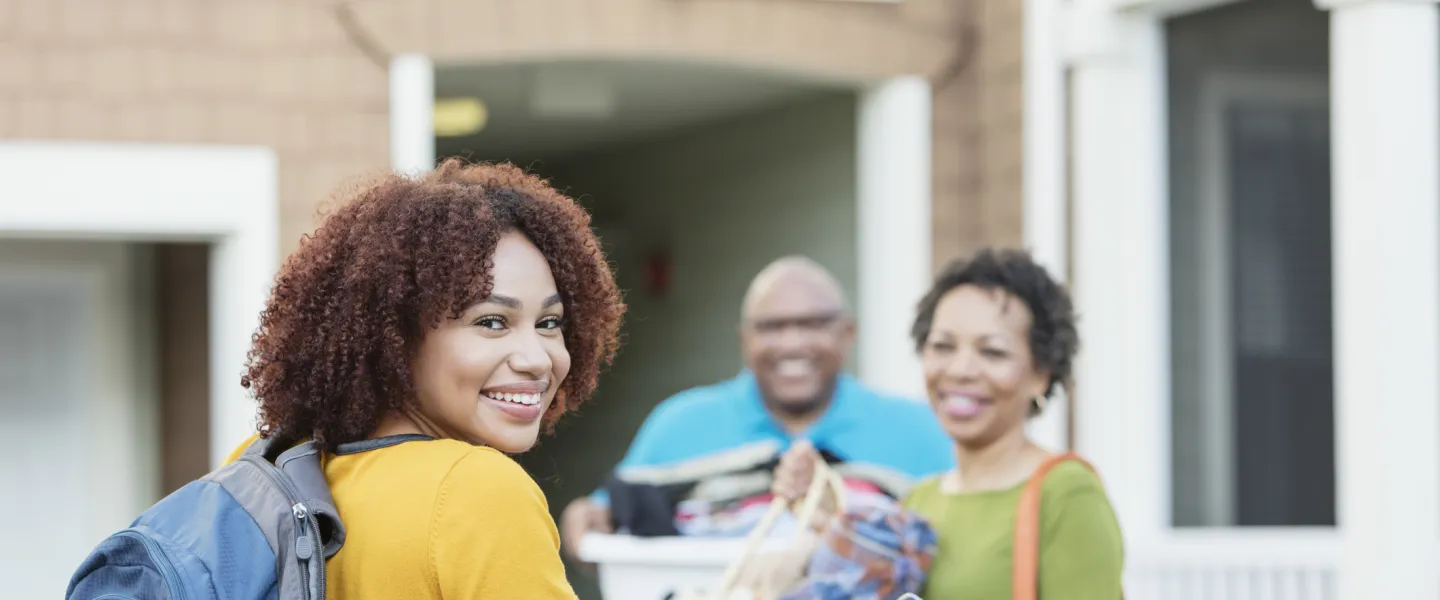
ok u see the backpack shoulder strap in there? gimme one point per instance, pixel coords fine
(1025, 571)
(302, 466)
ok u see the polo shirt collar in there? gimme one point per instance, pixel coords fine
(845, 408)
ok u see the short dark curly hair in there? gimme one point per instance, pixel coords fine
(401, 254)
(1053, 336)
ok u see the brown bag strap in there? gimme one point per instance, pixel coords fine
(1025, 574)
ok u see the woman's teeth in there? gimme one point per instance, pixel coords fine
(962, 402)
(963, 407)
(527, 399)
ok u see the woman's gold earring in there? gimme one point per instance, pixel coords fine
(1040, 402)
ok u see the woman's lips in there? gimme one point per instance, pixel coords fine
(963, 406)
(521, 400)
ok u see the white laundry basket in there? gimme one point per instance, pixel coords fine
(633, 568)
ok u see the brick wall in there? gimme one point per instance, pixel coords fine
(259, 72)
(978, 154)
(287, 74)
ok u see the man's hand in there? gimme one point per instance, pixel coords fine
(793, 477)
(796, 469)
(581, 517)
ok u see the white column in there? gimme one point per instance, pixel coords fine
(1385, 96)
(894, 229)
(1046, 233)
(1121, 285)
(242, 270)
(412, 113)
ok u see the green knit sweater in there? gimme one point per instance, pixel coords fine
(1081, 553)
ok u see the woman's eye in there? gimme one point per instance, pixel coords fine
(942, 346)
(552, 323)
(494, 323)
(994, 353)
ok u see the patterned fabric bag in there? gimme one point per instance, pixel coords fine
(869, 554)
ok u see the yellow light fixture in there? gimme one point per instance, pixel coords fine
(459, 116)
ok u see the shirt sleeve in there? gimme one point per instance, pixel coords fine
(1082, 554)
(240, 450)
(492, 535)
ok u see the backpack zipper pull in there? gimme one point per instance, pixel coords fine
(304, 547)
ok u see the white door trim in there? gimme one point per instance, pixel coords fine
(1218, 90)
(1120, 245)
(1046, 205)
(226, 196)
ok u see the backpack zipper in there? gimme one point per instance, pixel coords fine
(307, 544)
(162, 560)
(306, 550)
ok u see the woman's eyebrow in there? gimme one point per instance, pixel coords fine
(505, 301)
(515, 303)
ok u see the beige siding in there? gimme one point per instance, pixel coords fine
(261, 72)
(287, 74)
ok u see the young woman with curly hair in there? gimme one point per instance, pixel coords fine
(431, 326)
(996, 336)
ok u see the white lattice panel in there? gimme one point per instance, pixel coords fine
(1236, 565)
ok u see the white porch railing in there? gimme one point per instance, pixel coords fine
(1224, 564)
(1235, 564)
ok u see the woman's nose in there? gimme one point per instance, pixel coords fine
(529, 356)
(964, 365)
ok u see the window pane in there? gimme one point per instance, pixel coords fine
(1280, 279)
(1252, 382)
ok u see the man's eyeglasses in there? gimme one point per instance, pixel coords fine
(808, 324)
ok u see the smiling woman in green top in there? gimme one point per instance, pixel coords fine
(996, 335)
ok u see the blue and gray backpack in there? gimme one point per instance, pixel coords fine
(259, 528)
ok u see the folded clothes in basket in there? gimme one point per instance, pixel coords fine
(726, 493)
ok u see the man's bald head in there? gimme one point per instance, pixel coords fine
(794, 274)
(796, 333)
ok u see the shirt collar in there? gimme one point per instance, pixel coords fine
(837, 417)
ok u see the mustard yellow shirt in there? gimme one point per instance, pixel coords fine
(432, 519)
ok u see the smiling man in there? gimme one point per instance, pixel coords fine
(700, 463)
(795, 332)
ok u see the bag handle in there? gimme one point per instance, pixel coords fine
(824, 477)
(1025, 573)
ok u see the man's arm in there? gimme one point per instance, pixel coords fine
(580, 517)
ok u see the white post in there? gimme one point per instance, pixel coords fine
(1121, 274)
(1046, 232)
(894, 229)
(242, 270)
(412, 113)
(1385, 96)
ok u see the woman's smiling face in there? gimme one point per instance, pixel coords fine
(488, 377)
(979, 371)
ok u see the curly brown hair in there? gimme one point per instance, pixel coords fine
(351, 305)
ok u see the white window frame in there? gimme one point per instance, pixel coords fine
(224, 196)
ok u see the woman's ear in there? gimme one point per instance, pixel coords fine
(1040, 385)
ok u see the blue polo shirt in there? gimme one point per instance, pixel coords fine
(860, 425)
